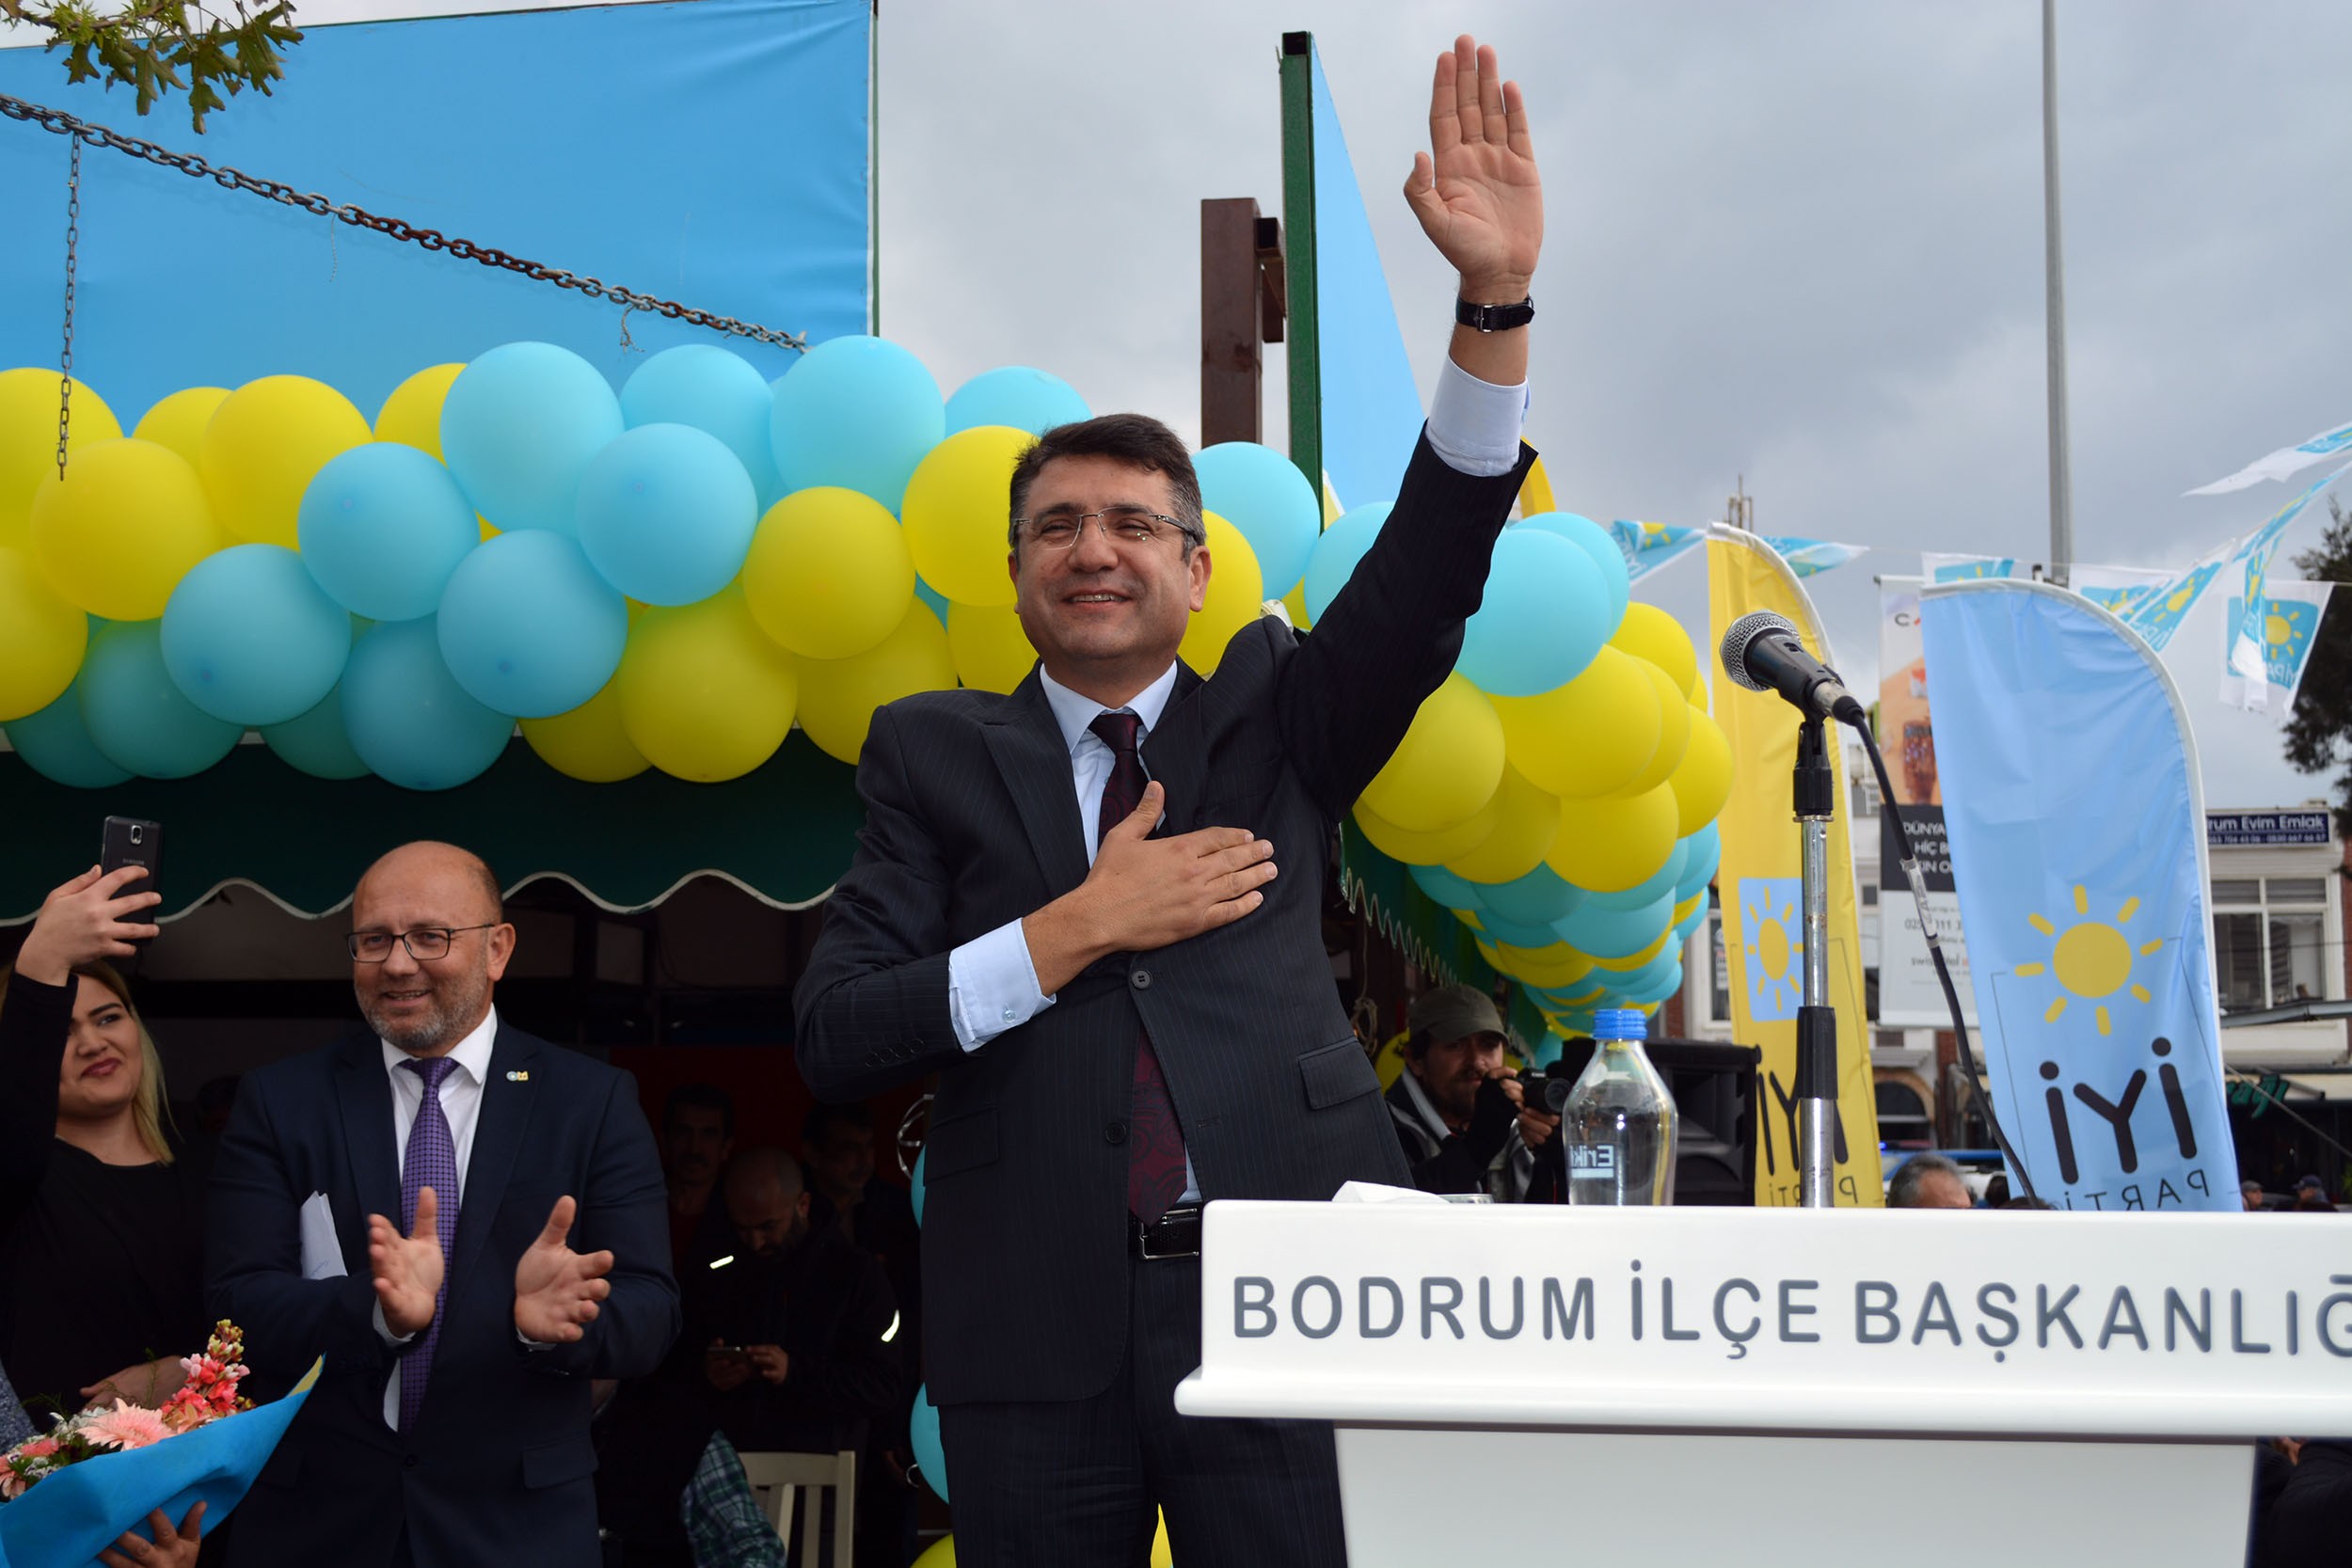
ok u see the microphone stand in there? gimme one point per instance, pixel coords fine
(1815, 791)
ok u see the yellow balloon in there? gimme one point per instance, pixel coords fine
(1648, 632)
(1702, 783)
(1698, 691)
(1688, 906)
(1449, 764)
(828, 576)
(990, 651)
(1161, 1556)
(41, 639)
(178, 420)
(265, 443)
(412, 414)
(704, 694)
(116, 534)
(28, 440)
(1236, 595)
(590, 742)
(838, 696)
(1613, 843)
(1295, 602)
(1527, 822)
(1429, 849)
(1674, 733)
(938, 1554)
(958, 508)
(1549, 967)
(1590, 737)
(1635, 961)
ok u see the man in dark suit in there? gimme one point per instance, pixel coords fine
(1119, 1041)
(450, 1424)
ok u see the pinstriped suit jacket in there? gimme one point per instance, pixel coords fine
(972, 821)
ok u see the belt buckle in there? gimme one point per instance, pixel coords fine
(1143, 1233)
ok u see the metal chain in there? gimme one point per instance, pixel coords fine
(236, 180)
(73, 246)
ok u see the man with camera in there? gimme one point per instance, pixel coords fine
(1460, 1115)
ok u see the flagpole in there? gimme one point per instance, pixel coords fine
(2061, 477)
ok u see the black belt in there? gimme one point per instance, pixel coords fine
(1174, 1234)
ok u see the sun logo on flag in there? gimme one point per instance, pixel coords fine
(2092, 958)
(1773, 940)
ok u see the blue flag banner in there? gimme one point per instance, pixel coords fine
(2245, 655)
(79, 1512)
(2076, 822)
(2157, 614)
(1650, 545)
(1965, 568)
(2284, 462)
(1809, 558)
(2289, 616)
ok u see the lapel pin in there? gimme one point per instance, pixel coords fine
(518, 1078)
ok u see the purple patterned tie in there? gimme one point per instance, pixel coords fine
(1155, 1143)
(431, 1162)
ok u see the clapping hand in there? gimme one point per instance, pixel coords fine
(88, 919)
(557, 1290)
(1476, 192)
(407, 1269)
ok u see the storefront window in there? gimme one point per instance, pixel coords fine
(2269, 938)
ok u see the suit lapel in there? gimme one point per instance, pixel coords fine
(364, 1094)
(1029, 753)
(1173, 754)
(497, 1134)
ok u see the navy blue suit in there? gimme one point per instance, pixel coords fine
(498, 1469)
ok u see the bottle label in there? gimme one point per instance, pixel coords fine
(1592, 1160)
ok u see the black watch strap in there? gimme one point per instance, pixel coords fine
(1494, 318)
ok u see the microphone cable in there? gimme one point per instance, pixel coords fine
(1935, 951)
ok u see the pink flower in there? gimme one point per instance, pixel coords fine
(126, 1426)
(35, 1447)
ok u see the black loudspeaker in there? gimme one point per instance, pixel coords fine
(1714, 1090)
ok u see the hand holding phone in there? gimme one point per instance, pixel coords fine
(134, 841)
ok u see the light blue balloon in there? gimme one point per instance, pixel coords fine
(1545, 614)
(250, 637)
(666, 513)
(1615, 933)
(528, 627)
(1530, 936)
(1597, 543)
(1657, 989)
(717, 392)
(1690, 923)
(315, 742)
(1625, 982)
(1261, 493)
(1017, 396)
(382, 527)
(137, 717)
(915, 1184)
(408, 718)
(857, 412)
(1661, 884)
(1454, 892)
(519, 427)
(1537, 899)
(1336, 552)
(931, 1455)
(1705, 853)
(56, 744)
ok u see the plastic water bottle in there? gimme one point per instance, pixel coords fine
(1619, 1120)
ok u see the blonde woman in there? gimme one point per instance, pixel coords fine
(100, 1224)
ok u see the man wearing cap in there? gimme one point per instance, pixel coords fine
(1459, 1113)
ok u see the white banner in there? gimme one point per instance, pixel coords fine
(2284, 462)
(2289, 626)
(1910, 997)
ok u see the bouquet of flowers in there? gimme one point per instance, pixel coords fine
(209, 1394)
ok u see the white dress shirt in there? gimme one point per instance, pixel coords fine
(461, 1105)
(1474, 427)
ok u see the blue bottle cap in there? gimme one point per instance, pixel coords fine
(1620, 1023)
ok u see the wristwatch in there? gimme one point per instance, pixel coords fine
(1494, 318)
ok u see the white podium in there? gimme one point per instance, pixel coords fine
(1767, 1386)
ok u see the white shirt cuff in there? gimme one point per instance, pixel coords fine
(1473, 424)
(992, 986)
(384, 1329)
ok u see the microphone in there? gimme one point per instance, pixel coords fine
(1763, 653)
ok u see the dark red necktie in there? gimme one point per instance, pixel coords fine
(1155, 1143)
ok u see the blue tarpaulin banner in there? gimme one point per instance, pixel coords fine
(2077, 827)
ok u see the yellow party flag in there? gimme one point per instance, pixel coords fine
(1763, 930)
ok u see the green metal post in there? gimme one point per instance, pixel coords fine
(1299, 231)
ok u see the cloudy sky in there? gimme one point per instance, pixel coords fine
(1798, 246)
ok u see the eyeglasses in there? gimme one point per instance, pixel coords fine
(1120, 524)
(425, 942)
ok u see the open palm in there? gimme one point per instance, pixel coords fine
(406, 1268)
(1476, 192)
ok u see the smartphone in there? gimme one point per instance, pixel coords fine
(131, 841)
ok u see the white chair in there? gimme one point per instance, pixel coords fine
(779, 1478)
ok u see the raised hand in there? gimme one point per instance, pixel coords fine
(557, 1290)
(1476, 191)
(406, 1268)
(85, 920)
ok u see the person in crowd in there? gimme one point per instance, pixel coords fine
(102, 1222)
(1928, 1181)
(2309, 1513)
(2310, 1197)
(530, 1253)
(2250, 1194)
(1460, 1115)
(697, 1136)
(1066, 904)
(671, 1491)
(797, 1335)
